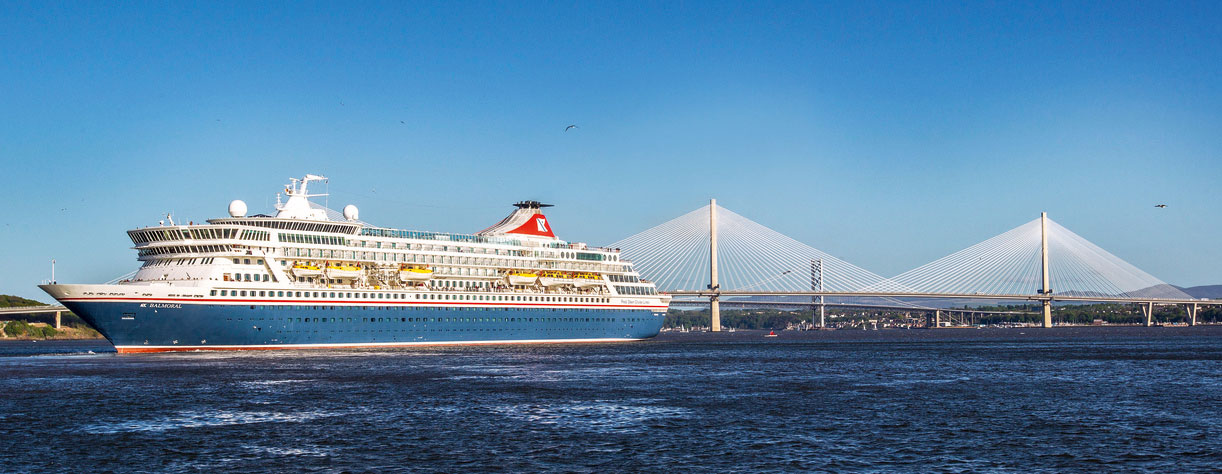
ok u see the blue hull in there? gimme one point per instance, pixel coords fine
(155, 327)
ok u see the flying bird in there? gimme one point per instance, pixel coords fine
(569, 127)
(1160, 205)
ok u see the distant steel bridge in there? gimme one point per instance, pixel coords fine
(684, 258)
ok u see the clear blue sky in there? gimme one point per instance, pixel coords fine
(888, 134)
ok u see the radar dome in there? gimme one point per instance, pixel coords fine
(237, 208)
(350, 212)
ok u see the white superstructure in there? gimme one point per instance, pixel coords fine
(303, 247)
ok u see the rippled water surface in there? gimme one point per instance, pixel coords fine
(1088, 399)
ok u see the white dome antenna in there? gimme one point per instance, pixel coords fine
(237, 208)
(350, 212)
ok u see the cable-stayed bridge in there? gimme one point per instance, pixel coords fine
(712, 252)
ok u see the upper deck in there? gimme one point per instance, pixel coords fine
(306, 245)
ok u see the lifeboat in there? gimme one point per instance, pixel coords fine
(306, 270)
(341, 271)
(552, 279)
(520, 278)
(586, 280)
(408, 273)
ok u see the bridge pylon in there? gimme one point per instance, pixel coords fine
(1046, 291)
(714, 301)
(816, 284)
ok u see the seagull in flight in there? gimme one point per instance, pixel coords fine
(570, 127)
(1160, 205)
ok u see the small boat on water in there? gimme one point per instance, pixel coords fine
(521, 278)
(770, 334)
(414, 274)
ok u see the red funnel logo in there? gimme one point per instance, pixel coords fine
(537, 225)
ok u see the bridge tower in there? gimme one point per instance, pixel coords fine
(816, 284)
(714, 301)
(1046, 291)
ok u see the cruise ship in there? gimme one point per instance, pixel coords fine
(310, 277)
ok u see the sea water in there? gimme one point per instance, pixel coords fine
(1016, 400)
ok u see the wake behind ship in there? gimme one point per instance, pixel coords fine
(309, 278)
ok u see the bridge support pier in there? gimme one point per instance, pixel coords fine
(1192, 314)
(1147, 310)
(57, 320)
(816, 284)
(937, 318)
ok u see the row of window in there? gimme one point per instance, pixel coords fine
(340, 254)
(406, 296)
(248, 234)
(183, 249)
(455, 320)
(447, 319)
(313, 239)
(179, 261)
(308, 226)
(636, 290)
(623, 278)
(163, 235)
(246, 277)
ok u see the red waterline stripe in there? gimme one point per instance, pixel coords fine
(151, 350)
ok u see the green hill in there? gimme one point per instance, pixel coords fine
(10, 300)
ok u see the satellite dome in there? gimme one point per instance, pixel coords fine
(237, 208)
(350, 212)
